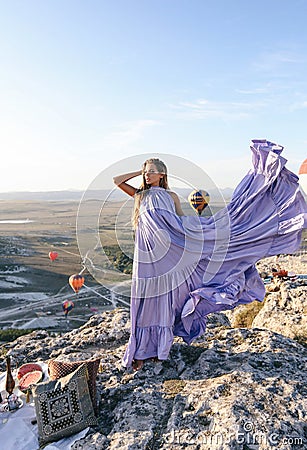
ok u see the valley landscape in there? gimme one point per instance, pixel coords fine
(92, 237)
(32, 287)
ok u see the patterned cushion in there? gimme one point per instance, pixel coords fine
(58, 369)
(63, 407)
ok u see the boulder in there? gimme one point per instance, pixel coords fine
(285, 312)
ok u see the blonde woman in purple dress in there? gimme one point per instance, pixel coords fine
(186, 267)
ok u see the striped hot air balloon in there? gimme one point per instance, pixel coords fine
(76, 282)
(199, 200)
(67, 306)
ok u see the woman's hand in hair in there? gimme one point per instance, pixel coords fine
(120, 181)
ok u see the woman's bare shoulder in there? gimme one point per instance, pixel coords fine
(172, 193)
(176, 201)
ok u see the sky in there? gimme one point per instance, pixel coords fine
(84, 84)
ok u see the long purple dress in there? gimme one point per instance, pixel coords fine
(186, 267)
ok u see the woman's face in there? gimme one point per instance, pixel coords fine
(151, 174)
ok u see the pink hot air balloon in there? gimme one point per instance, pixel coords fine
(303, 168)
(53, 255)
(303, 176)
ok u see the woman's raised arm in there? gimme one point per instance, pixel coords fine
(120, 181)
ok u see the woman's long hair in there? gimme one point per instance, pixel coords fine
(161, 168)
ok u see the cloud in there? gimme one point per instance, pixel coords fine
(254, 91)
(298, 105)
(274, 60)
(203, 108)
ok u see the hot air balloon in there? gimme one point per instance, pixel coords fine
(199, 200)
(53, 255)
(67, 306)
(303, 168)
(76, 282)
(303, 176)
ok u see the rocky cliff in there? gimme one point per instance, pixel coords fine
(231, 389)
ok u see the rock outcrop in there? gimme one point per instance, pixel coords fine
(285, 311)
(284, 307)
(233, 389)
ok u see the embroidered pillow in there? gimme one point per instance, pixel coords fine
(58, 369)
(63, 407)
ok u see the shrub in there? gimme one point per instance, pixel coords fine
(10, 334)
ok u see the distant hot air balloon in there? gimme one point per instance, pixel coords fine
(303, 168)
(67, 306)
(303, 176)
(199, 200)
(76, 282)
(53, 255)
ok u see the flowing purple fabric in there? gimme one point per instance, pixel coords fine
(186, 267)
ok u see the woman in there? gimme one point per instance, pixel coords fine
(186, 267)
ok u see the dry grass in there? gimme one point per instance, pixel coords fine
(173, 387)
(245, 316)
